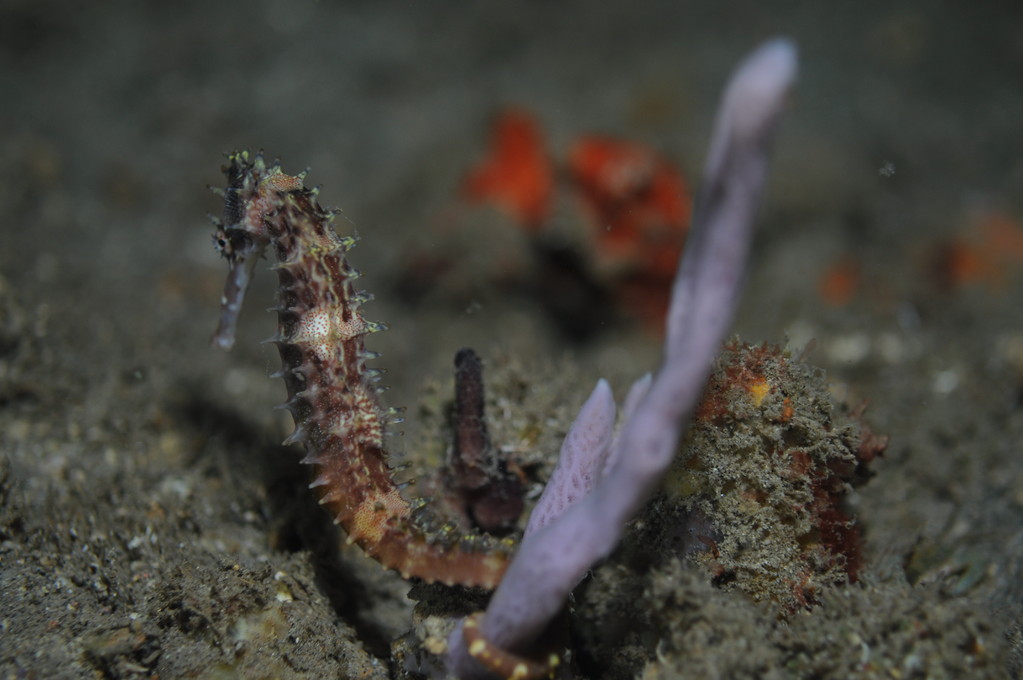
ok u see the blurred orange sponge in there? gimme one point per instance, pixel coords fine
(638, 202)
(516, 174)
(635, 203)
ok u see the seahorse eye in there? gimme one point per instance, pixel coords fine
(232, 243)
(222, 243)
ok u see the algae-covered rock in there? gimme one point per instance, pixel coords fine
(762, 476)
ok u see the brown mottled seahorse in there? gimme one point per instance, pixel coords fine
(331, 393)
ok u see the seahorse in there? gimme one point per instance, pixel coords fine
(332, 394)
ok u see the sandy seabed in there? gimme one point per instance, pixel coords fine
(152, 526)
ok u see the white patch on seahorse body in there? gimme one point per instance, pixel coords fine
(324, 329)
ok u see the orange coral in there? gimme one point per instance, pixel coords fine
(516, 175)
(639, 207)
(639, 203)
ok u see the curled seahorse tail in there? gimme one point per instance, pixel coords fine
(382, 522)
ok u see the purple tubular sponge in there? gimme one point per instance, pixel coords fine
(599, 484)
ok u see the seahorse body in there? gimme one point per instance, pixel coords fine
(331, 393)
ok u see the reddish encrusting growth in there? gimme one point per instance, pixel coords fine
(331, 392)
